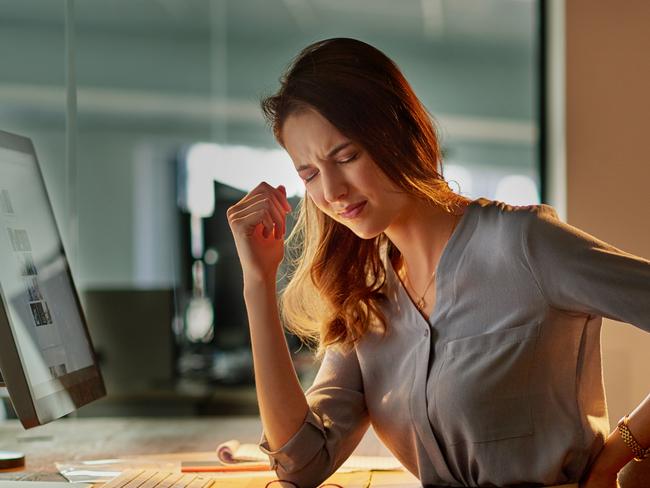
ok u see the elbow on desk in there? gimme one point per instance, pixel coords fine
(311, 474)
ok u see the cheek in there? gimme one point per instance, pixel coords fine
(317, 199)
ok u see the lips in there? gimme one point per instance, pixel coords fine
(352, 209)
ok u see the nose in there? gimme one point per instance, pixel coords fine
(334, 186)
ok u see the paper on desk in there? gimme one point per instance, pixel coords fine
(254, 480)
(102, 470)
(38, 484)
(233, 452)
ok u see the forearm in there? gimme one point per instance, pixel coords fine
(639, 423)
(281, 401)
(615, 454)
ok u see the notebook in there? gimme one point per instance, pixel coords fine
(232, 452)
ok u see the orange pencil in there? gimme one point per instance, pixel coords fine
(220, 468)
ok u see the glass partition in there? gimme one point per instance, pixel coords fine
(169, 89)
(33, 89)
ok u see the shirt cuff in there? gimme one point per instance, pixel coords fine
(300, 449)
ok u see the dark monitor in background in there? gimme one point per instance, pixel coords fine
(132, 331)
(46, 355)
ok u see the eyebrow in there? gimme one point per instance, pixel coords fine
(331, 153)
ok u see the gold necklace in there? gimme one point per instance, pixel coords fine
(420, 302)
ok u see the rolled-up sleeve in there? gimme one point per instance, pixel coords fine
(576, 271)
(334, 425)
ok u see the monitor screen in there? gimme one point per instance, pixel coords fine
(46, 356)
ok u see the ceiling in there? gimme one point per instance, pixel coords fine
(488, 22)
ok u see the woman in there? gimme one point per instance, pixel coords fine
(466, 331)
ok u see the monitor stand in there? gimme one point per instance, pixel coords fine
(8, 459)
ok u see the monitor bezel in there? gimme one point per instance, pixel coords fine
(80, 387)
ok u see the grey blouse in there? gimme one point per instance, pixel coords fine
(503, 384)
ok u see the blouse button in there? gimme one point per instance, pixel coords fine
(426, 332)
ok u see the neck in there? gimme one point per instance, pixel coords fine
(420, 234)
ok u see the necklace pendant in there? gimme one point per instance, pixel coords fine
(420, 304)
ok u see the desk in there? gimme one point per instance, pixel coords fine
(73, 439)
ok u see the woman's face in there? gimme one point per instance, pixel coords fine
(338, 172)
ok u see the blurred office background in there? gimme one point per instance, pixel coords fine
(145, 115)
(131, 104)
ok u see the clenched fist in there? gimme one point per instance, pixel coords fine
(258, 224)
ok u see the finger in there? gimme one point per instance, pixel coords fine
(280, 214)
(250, 197)
(267, 204)
(280, 228)
(281, 195)
(262, 187)
(248, 221)
(271, 196)
(259, 193)
(284, 200)
(277, 213)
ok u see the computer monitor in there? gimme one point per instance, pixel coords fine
(46, 355)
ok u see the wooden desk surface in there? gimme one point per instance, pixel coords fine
(73, 439)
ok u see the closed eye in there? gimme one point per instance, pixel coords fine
(345, 161)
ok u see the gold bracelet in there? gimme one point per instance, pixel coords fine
(639, 452)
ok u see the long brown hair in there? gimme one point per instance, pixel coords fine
(334, 293)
